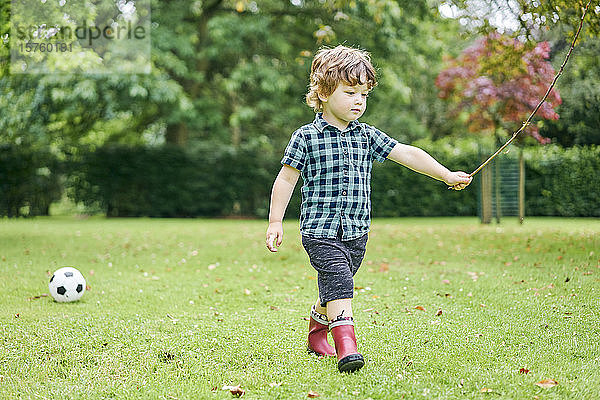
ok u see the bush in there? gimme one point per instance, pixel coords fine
(171, 181)
(563, 182)
(398, 191)
(29, 181)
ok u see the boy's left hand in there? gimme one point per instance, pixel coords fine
(458, 180)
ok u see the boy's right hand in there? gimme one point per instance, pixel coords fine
(274, 236)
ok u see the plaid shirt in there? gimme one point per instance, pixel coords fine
(336, 171)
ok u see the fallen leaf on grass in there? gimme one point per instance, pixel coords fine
(438, 313)
(421, 308)
(486, 390)
(546, 383)
(523, 371)
(247, 292)
(461, 384)
(39, 296)
(446, 282)
(312, 394)
(235, 390)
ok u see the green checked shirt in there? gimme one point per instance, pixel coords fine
(336, 174)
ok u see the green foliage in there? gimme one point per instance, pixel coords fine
(398, 191)
(579, 87)
(29, 181)
(569, 13)
(173, 182)
(170, 181)
(563, 182)
(4, 29)
(530, 17)
(233, 71)
(227, 84)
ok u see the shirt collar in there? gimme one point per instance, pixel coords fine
(320, 124)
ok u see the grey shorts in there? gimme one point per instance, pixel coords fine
(336, 262)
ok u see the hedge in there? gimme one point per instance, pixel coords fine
(563, 182)
(29, 181)
(172, 181)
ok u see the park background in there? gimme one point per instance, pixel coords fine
(202, 133)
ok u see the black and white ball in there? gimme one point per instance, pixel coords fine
(67, 284)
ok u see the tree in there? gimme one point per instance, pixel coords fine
(580, 90)
(527, 18)
(224, 70)
(496, 83)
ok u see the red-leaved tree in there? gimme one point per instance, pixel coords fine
(498, 81)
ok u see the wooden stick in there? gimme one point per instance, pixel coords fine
(535, 110)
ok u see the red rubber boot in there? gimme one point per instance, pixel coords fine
(349, 359)
(317, 334)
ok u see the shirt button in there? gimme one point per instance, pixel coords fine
(344, 192)
(343, 134)
(345, 151)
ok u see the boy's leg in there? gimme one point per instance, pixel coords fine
(318, 327)
(341, 326)
(319, 308)
(336, 262)
(340, 315)
(339, 308)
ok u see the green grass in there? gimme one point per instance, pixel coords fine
(180, 308)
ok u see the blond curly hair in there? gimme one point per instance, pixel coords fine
(332, 66)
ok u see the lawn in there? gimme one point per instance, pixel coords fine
(177, 309)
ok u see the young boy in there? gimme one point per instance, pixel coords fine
(334, 154)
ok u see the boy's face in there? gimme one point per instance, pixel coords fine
(345, 104)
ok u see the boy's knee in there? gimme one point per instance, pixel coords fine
(335, 287)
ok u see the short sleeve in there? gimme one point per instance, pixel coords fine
(381, 144)
(295, 152)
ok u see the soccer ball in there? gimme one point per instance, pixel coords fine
(67, 284)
